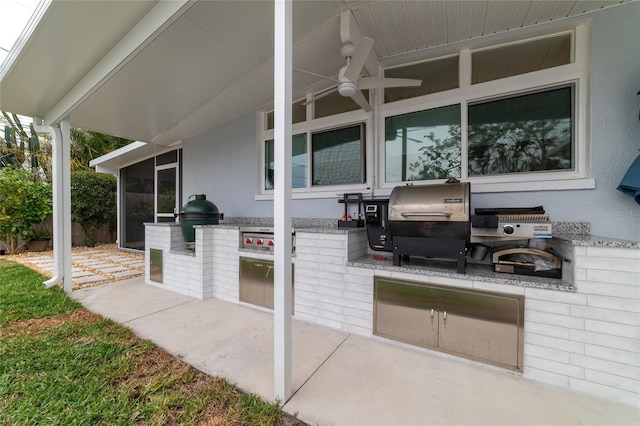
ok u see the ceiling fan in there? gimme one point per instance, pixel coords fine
(350, 81)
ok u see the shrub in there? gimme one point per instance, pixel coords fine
(93, 202)
(23, 202)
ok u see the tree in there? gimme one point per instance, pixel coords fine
(23, 147)
(23, 203)
(88, 145)
(27, 150)
(93, 202)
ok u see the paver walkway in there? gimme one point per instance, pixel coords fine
(90, 266)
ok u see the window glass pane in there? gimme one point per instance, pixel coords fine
(526, 133)
(137, 208)
(338, 156)
(436, 76)
(269, 164)
(335, 103)
(166, 197)
(167, 158)
(298, 162)
(520, 58)
(423, 145)
(298, 114)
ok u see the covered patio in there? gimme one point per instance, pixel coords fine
(341, 378)
(221, 79)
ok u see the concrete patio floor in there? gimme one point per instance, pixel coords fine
(338, 378)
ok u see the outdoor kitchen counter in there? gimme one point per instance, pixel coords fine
(474, 272)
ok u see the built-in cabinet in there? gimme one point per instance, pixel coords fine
(256, 282)
(484, 326)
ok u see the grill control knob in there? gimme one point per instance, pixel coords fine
(248, 241)
(508, 229)
(259, 242)
(270, 243)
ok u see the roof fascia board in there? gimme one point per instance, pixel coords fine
(118, 152)
(163, 14)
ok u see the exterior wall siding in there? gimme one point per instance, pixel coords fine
(589, 341)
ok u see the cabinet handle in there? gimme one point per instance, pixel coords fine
(445, 315)
(431, 312)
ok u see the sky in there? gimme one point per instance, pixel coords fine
(14, 15)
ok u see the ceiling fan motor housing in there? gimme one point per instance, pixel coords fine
(347, 88)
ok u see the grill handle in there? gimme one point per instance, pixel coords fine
(409, 214)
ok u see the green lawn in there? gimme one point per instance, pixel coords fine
(62, 365)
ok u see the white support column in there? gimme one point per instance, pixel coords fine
(65, 174)
(282, 198)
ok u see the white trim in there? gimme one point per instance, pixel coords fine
(282, 297)
(117, 153)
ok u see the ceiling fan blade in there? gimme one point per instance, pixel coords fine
(361, 100)
(315, 74)
(321, 95)
(359, 58)
(345, 26)
(381, 83)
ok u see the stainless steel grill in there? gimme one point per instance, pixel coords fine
(430, 221)
(261, 238)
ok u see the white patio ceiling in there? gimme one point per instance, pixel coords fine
(164, 71)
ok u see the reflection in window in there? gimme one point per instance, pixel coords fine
(527, 133)
(298, 162)
(423, 145)
(338, 156)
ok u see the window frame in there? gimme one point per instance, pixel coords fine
(576, 73)
(335, 122)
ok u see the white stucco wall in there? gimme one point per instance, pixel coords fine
(222, 162)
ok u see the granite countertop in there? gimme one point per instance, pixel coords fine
(586, 240)
(474, 272)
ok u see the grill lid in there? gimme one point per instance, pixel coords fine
(448, 202)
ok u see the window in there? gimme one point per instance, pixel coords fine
(334, 103)
(298, 162)
(516, 120)
(522, 134)
(507, 114)
(521, 58)
(298, 114)
(437, 76)
(338, 156)
(423, 145)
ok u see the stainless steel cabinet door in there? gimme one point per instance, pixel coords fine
(252, 280)
(406, 312)
(269, 286)
(485, 327)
